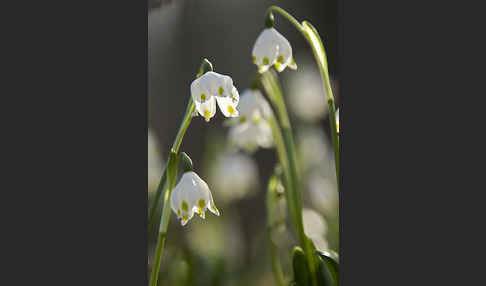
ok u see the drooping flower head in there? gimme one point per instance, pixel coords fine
(271, 48)
(210, 88)
(252, 129)
(191, 195)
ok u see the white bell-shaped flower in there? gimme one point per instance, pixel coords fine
(271, 48)
(252, 130)
(212, 88)
(191, 195)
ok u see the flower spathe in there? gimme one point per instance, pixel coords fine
(191, 195)
(252, 129)
(212, 88)
(271, 48)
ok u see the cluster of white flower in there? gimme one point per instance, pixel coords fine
(250, 131)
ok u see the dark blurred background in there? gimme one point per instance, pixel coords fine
(180, 34)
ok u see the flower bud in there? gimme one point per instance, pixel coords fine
(269, 20)
(206, 66)
(186, 162)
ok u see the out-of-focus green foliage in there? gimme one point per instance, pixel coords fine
(301, 270)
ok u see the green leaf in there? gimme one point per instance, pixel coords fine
(301, 272)
(328, 268)
(172, 165)
(316, 43)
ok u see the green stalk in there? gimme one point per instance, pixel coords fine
(180, 134)
(272, 223)
(314, 40)
(320, 55)
(156, 200)
(283, 159)
(274, 93)
(171, 180)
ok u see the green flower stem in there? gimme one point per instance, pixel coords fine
(312, 36)
(283, 159)
(286, 15)
(156, 199)
(171, 180)
(274, 93)
(175, 146)
(320, 55)
(273, 222)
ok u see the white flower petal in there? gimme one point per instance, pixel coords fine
(187, 199)
(191, 195)
(265, 136)
(253, 129)
(249, 135)
(265, 50)
(292, 64)
(272, 48)
(180, 203)
(227, 106)
(240, 137)
(198, 92)
(204, 194)
(206, 109)
(217, 84)
(211, 206)
(263, 68)
(235, 95)
(175, 202)
(200, 195)
(284, 56)
(253, 104)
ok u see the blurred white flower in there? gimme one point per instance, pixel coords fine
(191, 195)
(323, 193)
(210, 88)
(252, 130)
(314, 150)
(243, 179)
(155, 163)
(218, 239)
(306, 94)
(314, 223)
(315, 227)
(271, 48)
(337, 120)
